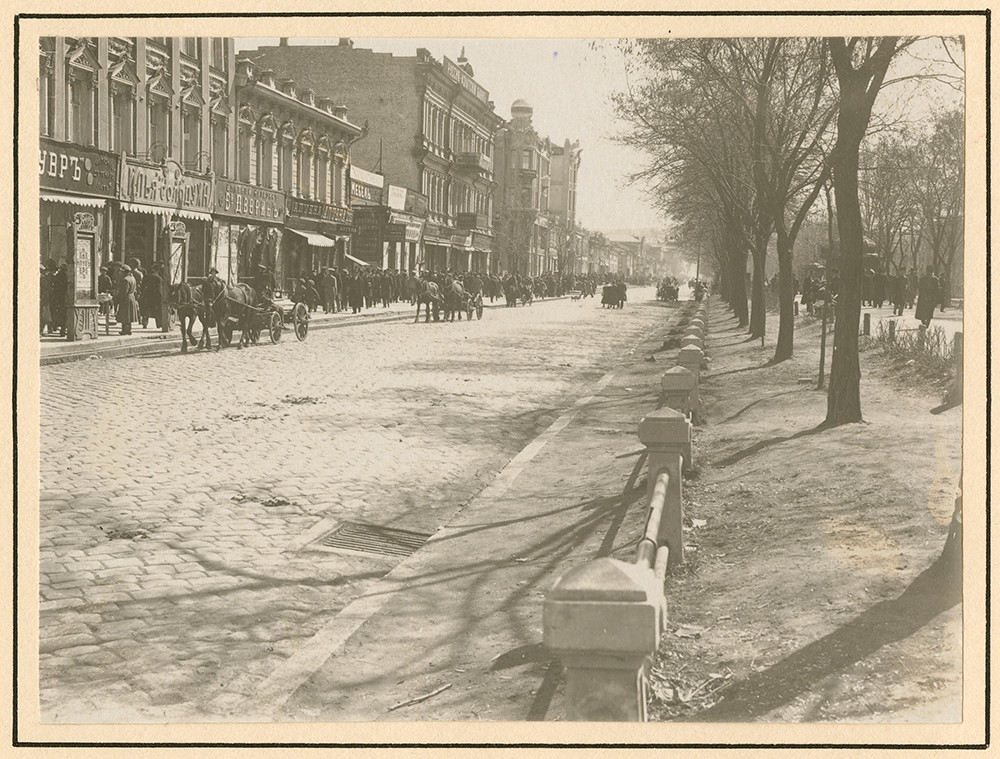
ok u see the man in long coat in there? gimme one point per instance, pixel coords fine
(128, 307)
(355, 292)
(928, 295)
(151, 296)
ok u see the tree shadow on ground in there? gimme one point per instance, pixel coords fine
(759, 400)
(762, 444)
(715, 375)
(936, 589)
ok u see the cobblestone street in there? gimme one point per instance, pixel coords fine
(181, 495)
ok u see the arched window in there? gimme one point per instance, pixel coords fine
(285, 156)
(244, 145)
(266, 132)
(322, 172)
(305, 158)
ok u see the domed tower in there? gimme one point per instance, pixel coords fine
(521, 112)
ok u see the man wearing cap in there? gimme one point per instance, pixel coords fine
(128, 307)
(151, 296)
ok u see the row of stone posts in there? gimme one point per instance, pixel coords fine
(603, 619)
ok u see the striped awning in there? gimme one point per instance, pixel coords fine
(73, 200)
(316, 240)
(183, 213)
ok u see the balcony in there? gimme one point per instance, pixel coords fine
(471, 221)
(472, 160)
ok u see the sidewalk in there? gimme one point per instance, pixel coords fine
(57, 350)
(464, 613)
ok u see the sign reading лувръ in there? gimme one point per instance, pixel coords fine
(65, 166)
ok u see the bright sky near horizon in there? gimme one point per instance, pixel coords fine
(569, 84)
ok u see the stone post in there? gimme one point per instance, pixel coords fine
(676, 386)
(690, 358)
(603, 620)
(867, 325)
(692, 339)
(666, 433)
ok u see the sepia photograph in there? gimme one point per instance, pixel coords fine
(501, 371)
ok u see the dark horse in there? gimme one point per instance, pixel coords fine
(456, 301)
(188, 301)
(428, 293)
(234, 303)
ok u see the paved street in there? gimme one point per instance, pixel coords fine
(180, 495)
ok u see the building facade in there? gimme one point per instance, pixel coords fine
(292, 154)
(431, 131)
(145, 124)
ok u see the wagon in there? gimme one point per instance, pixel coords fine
(270, 318)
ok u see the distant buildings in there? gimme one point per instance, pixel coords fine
(431, 127)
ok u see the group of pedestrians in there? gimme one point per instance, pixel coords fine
(336, 289)
(124, 289)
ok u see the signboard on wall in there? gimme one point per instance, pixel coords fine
(167, 185)
(314, 209)
(243, 201)
(76, 168)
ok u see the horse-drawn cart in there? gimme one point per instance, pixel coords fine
(268, 317)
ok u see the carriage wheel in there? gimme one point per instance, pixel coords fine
(479, 310)
(274, 327)
(300, 320)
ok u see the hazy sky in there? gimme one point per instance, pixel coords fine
(569, 85)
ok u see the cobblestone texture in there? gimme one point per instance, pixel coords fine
(174, 490)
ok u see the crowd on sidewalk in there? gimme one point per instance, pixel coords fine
(132, 294)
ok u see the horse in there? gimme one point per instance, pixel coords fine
(189, 303)
(427, 293)
(234, 302)
(456, 300)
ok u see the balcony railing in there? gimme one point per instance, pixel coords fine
(472, 160)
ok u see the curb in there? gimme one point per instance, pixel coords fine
(173, 342)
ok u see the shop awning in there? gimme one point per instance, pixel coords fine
(73, 200)
(314, 239)
(183, 213)
(356, 260)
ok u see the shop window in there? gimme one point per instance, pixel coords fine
(220, 146)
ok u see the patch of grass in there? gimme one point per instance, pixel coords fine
(930, 352)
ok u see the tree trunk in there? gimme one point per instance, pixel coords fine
(758, 308)
(844, 399)
(786, 296)
(738, 268)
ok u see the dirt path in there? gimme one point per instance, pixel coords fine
(812, 595)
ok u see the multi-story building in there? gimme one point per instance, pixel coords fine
(522, 242)
(431, 131)
(292, 169)
(536, 187)
(131, 132)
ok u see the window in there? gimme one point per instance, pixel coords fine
(159, 123)
(219, 53)
(305, 181)
(46, 99)
(265, 159)
(321, 177)
(220, 146)
(189, 46)
(122, 120)
(191, 139)
(81, 110)
(243, 154)
(285, 166)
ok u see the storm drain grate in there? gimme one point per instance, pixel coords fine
(370, 538)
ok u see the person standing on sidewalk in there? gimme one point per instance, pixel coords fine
(898, 285)
(330, 295)
(128, 306)
(927, 297)
(151, 296)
